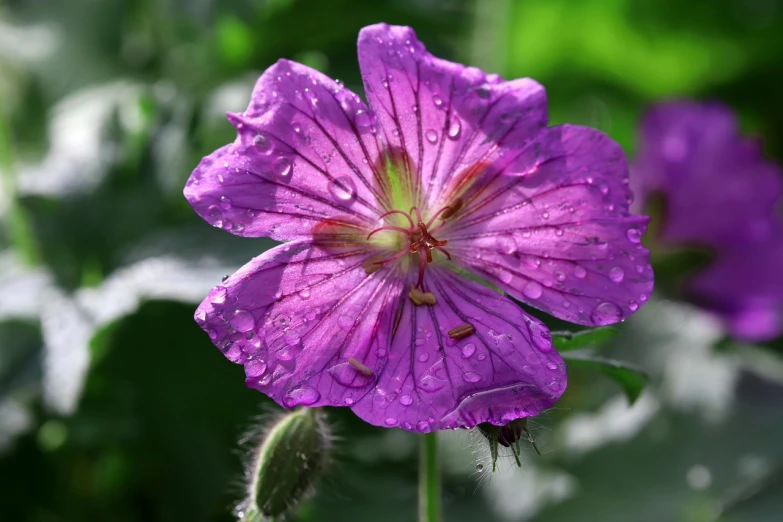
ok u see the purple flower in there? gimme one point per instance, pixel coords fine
(408, 224)
(720, 193)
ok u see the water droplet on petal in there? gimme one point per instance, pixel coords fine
(342, 188)
(471, 377)
(506, 244)
(432, 136)
(633, 305)
(218, 295)
(302, 395)
(528, 370)
(551, 366)
(423, 426)
(423, 357)
(634, 235)
(255, 368)
(362, 118)
(391, 421)
(304, 293)
(606, 313)
(262, 143)
(225, 203)
(406, 400)
(283, 167)
(346, 322)
(533, 290)
(454, 129)
(479, 467)
(580, 272)
(468, 350)
(616, 274)
(242, 320)
(437, 101)
(212, 334)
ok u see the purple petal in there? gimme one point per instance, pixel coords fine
(744, 288)
(554, 231)
(312, 328)
(451, 120)
(294, 317)
(507, 369)
(305, 151)
(718, 187)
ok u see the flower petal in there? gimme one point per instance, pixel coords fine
(554, 231)
(743, 287)
(303, 320)
(437, 376)
(718, 187)
(452, 121)
(305, 150)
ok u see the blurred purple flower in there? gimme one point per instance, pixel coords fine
(406, 223)
(720, 193)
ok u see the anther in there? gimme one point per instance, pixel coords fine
(372, 264)
(462, 331)
(360, 367)
(421, 298)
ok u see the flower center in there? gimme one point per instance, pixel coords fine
(420, 239)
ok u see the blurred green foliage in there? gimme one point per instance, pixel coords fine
(115, 406)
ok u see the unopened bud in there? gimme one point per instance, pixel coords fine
(290, 458)
(508, 436)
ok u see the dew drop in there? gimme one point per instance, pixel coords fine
(304, 293)
(390, 421)
(633, 305)
(342, 188)
(423, 426)
(471, 377)
(556, 385)
(423, 357)
(302, 395)
(479, 467)
(255, 368)
(432, 136)
(606, 313)
(468, 350)
(454, 129)
(437, 101)
(283, 167)
(406, 400)
(262, 143)
(482, 356)
(551, 366)
(634, 235)
(545, 215)
(218, 295)
(212, 334)
(242, 320)
(533, 290)
(506, 244)
(225, 203)
(580, 272)
(505, 276)
(616, 274)
(528, 370)
(362, 118)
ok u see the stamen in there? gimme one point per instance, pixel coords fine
(407, 216)
(446, 212)
(398, 229)
(462, 331)
(372, 264)
(421, 298)
(360, 367)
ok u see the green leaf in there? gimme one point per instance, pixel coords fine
(567, 341)
(630, 378)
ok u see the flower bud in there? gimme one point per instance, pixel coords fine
(286, 464)
(507, 436)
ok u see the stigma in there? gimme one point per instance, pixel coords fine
(419, 237)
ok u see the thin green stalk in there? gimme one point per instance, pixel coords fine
(20, 230)
(429, 479)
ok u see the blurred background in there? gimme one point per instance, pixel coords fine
(115, 406)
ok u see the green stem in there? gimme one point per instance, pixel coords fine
(20, 230)
(429, 479)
